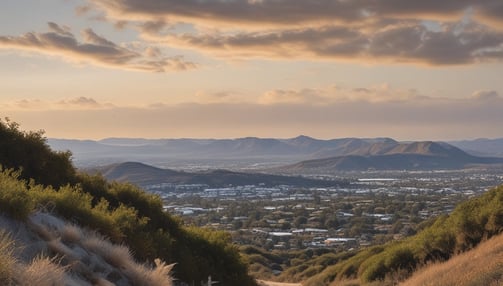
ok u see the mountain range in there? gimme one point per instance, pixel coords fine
(265, 153)
(481, 146)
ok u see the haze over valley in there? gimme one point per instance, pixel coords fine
(282, 155)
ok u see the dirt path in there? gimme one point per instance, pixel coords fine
(270, 283)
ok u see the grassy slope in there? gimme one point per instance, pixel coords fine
(480, 266)
(46, 250)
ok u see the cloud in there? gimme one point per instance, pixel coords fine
(27, 104)
(336, 94)
(82, 10)
(93, 49)
(286, 12)
(401, 43)
(304, 96)
(76, 103)
(391, 31)
(205, 97)
(81, 102)
(485, 95)
(405, 120)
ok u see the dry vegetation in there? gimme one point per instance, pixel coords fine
(270, 283)
(67, 255)
(7, 261)
(480, 266)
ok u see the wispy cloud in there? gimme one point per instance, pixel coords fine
(419, 117)
(396, 31)
(432, 120)
(205, 97)
(337, 94)
(82, 103)
(76, 103)
(94, 49)
(486, 95)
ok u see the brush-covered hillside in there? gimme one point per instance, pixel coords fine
(85, 230)
(480, 266)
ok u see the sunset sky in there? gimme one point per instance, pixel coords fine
(406, 69)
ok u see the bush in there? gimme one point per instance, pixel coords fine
(30, 153)
(14, 198)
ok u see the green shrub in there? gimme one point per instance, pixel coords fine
(30, 153)
(14, 198)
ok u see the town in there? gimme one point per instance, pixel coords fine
(373, 209)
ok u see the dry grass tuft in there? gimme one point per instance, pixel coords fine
(117, 255)
(71, 233)
(42, 272)
(145, 276)
(480, 266)
(160, 274)
(7, 260)
(62, 250)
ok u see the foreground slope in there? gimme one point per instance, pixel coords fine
(47, 250)
(480, 266)
(122, 212)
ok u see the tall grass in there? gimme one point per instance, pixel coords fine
(480, 266)
(7, 260)
(42, 271)
(142, 275)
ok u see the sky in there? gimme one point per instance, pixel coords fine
(405, 69)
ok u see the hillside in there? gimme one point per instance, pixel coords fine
(123, 213)
(480, 266)
(399, 156)
(144, 175)
(47, 250)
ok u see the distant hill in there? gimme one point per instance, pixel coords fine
(143, 175)
(394, 156)
(481, 147)
(260, 153)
